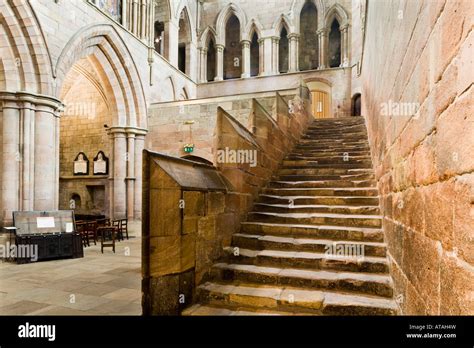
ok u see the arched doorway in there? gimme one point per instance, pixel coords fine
(356, 104)
(308, 47)
(321, 98)
(232, 50)
(334, 45)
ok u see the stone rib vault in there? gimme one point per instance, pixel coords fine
(323, 196)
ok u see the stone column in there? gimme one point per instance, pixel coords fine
(143, 19)
(124, 13)
(276, 55)
(135, 17)
(294, 55)
(220, 62)
(130, 179)
(46, 159)
(171, 42)
(245, 58)
(344, 45)
(11, 159)
(119, 172)
(28, 158)
(139, 146)
(322, 43)
(267, 58)
(203, 65)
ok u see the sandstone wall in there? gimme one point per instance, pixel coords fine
(421, 53)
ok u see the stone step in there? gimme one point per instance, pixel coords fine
(307, 177)
(315, 155)
(344, 165)
(324, 171)
(226, 310)
(260, 242)
(308, 260)
(319, 157)
(322, 183)
(318, 219)
(333, 162)
(374, 284)
(323, 191)
(317, 208)
(311, 231)
(319, 200)
(291, 299)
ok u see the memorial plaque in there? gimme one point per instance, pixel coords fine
(101, 164)
(81, 164)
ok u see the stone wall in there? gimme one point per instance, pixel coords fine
(417, 98)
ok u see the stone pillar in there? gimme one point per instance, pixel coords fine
(245, 58)
(143, 19)
(276, 55)
(124, 13)
(11, 159)
(130, 179)
(267, 59)
(294, 55)
(28, 158)
(220, 62)
(139, 147)
(322, 40)
(203, 65)
(119, 172)
(46, 159)
(135, 17)
(191, 59)
(344, 45)
(171, 42)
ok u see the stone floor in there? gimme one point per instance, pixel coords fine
(98, 284)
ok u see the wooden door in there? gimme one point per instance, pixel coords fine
(320, 103)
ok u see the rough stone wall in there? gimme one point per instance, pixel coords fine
(423, 160)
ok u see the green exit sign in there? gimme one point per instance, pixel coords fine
(188, 148)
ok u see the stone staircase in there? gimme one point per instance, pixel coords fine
(313, 244)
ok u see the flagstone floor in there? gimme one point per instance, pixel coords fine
(98, 284)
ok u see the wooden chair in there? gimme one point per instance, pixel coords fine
(91, 230)
(81, 227)
(124, 227)
(104, 242)
(117, 224)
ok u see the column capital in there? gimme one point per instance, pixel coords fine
(275, 39)
(344, 27)
(219, 46)
(293, 36)
(322, 31)
(245, 43)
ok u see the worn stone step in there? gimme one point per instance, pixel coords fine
(319, 200)
(318, 219)
(374, 284)
(316, 208)
(344, 165)
(312, 231)
(327, 157)
(333, 162)
(260, 242)
(324, 171)
(322, 183)
(309, 260)
(323, 191)
(226, 310)
(291, 299)
(308, 177)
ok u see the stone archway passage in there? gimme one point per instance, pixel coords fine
(232, 51)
